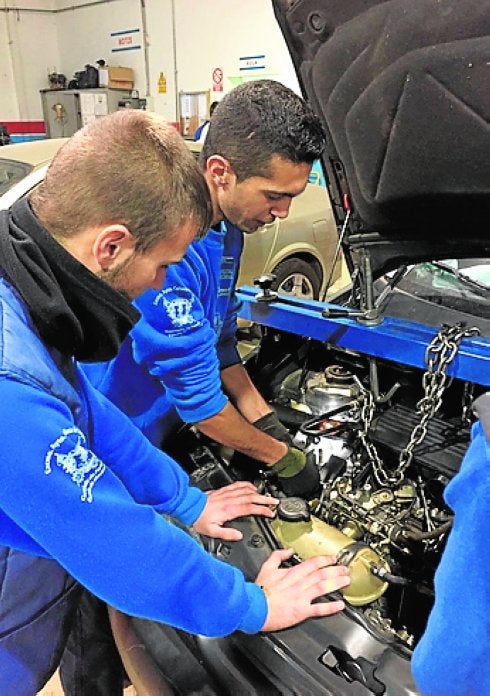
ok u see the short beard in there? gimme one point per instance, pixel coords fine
(119, 278)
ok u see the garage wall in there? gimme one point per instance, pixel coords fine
(9, 106)
(217, 33)
(95, 26)
(84, 35)
(28, 52)
(186, 40)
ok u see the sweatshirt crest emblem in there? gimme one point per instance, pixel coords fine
(178, 302)
(70, 453)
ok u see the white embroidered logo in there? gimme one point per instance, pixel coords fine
(178, 303)
(71, 454)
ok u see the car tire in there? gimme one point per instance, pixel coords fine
(297, 277)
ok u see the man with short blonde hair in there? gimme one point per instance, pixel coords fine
(83, 494)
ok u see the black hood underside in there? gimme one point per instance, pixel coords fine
(403, 90)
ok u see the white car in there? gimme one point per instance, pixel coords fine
(23, 166)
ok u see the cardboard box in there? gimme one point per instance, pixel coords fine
(116, 77)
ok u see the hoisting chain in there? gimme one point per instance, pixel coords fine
(439, 355)
(467, 403)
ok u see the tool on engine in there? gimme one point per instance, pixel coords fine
(328, 423)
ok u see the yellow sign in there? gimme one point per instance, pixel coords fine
(162, 84)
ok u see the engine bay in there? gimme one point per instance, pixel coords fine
(383, 462)
(386, 447)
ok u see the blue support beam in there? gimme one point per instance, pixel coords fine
(393, 339)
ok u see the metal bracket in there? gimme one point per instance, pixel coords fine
(264, 282)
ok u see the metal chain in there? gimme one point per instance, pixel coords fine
(467, 403)
(438, 356)
(366, 415)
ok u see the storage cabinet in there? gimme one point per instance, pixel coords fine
(65, 111)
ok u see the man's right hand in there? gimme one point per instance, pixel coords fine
(291, 591)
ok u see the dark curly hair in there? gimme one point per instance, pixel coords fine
(259, 119)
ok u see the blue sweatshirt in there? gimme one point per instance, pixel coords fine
(168, 369)
(452, 658)
(81, 485)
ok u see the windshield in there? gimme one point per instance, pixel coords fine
(447, 292)
(459, 285)
(11, 172)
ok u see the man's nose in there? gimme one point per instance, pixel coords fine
(281, 209)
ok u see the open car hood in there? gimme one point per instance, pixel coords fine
(403, 90)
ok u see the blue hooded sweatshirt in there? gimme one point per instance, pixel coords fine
(168, 369)
(452, 658)
(81, 489)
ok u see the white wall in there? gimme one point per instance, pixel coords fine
(28, 52)
(84, 35)
(186, 40)
(216, 33)
(9, 108)
(210, 34)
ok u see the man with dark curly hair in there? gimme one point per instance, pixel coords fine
(180, 362)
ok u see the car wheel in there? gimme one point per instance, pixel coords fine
(297, 277)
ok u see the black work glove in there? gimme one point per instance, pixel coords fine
(271, 425)
(298, 473)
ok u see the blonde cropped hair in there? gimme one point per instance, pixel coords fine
(130, 168)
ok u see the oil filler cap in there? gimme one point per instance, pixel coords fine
(293, 510)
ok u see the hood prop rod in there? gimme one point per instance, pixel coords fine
(369, 313)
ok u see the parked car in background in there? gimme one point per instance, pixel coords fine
(22, 167)
(299, 250)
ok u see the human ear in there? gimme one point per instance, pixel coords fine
(219, 171)
(113, 245)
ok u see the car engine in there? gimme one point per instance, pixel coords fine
(386, 439)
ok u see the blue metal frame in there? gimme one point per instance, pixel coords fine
(393, 339)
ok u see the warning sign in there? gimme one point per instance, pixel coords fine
(162, 84)
(217, 80)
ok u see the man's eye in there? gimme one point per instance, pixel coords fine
(274, 196)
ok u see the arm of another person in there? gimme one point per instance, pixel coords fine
(234, 422)
(176, 344)
(452, 657)
(153, 478)
(182, 353)
(232, 425)
(243, 394)
(60, 493)
(247, 422)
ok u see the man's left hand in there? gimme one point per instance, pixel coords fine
(227, 503)
(298, 473)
